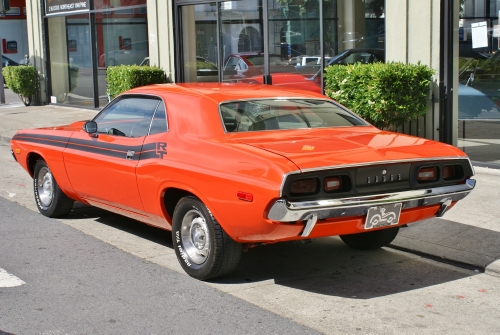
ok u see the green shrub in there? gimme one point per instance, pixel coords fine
(22, 80)
(384, 94)
(125, 77)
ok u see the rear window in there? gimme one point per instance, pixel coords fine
(274, 114)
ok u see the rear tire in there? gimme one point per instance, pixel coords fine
(371, 240)
(50, 199)
(203, 248)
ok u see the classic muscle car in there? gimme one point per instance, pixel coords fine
(226, 167)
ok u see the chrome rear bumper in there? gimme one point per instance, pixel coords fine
(285, 211)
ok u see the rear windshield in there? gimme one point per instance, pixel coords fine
(274, 114)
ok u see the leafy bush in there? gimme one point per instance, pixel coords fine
(125, 77)
(22, 80)
(384, 94)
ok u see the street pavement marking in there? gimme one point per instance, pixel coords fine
(8, 280)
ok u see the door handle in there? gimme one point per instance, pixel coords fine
(130, 155)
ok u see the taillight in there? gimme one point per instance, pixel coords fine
(448, 172)
(427, 174)
(304, 186)
(332, 184)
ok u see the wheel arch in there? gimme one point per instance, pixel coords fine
(172, 196)
(31, 160)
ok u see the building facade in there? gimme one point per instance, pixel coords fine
(14, 34)
(72, 42)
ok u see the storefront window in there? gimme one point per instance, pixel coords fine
(291, 53)
(199, 41)
(242, 40)
(70, 61)
(104, 4)
(479, 80)
(122, 39)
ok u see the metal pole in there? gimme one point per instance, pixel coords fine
(2, 92)
(267, 66)
(445, 73)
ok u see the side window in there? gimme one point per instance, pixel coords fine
(241, 65)
(351, 59)
(231, 63)
(129, 116)
(159, 124)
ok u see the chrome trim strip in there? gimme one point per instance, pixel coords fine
(410, 160)
(345, 166)
(285, 211)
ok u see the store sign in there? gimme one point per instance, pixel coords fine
(66, 6)
(12, 45)
(9, 47)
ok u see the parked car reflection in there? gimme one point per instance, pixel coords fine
(206, 71)
(128, 54)
(478, 90)
(308, 77)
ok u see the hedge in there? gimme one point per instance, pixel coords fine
(125, 77)
(384, 94)
(22, 80)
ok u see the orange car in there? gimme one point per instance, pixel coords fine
(230, 166)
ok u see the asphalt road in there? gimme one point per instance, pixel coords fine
(323, 285)
(77, 284)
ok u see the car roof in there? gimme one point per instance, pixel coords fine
(220, 92)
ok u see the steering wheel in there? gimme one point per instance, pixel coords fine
(114, 131)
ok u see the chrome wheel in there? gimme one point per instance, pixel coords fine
(45, 187)
(202, 247)
(195, 236)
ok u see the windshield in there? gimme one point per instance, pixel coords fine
(274, 114)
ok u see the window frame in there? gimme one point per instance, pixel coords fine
(136, 96)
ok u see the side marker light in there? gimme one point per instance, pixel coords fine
(244, 196)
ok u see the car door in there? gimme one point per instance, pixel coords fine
(102, 166)
(153, 169)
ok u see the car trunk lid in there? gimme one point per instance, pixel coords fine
(310, 149)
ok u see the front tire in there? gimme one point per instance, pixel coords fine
(203, 248)
(50, 199)
(371, 240)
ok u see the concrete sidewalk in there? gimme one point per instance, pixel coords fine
(468, 235)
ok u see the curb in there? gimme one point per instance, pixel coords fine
(493, 268)
(444, 260)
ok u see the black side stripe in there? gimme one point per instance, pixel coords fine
(57, 141)
(91, 146)
(104, 145)
(103, 151)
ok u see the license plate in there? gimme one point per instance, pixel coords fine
(381, 216)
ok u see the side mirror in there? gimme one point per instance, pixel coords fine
(90, 127)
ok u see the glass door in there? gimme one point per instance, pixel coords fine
(199, 43)
(242, 41)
